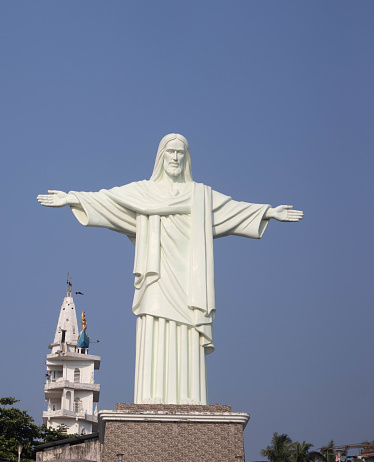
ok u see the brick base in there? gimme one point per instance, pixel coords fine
(172, 433)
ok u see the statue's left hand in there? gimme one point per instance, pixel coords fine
(53, 199)
(285, 213)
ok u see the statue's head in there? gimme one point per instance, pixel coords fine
(173, 156)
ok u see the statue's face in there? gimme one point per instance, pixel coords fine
(174, 157)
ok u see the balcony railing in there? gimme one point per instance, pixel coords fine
(67, 384)
(82, 415)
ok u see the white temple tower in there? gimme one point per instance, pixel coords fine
(70, 388)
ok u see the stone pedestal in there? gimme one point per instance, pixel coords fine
(172, 433)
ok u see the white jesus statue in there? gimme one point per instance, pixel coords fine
(172, 222)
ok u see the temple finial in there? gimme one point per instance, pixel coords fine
(83, 322)
(69, 284)
(83, 341)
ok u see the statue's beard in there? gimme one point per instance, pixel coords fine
(173, 171)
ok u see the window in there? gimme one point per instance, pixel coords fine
(77, 405)
(68, 401)
(77, 375)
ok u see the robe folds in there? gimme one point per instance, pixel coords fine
(174, 275)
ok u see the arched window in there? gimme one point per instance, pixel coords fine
(77, 375)
(68, 401)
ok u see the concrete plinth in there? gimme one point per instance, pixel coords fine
(163, 433)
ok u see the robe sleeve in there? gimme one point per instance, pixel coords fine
(237, 218)
(98, 209)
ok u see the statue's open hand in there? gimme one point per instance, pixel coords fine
(53, 199)
(286, 213)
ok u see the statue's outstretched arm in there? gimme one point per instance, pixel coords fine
(57, 199)
(284, 213)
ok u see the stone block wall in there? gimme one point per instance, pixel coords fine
(85, 451)
(181, 441)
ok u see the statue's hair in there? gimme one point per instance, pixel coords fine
(158, 169)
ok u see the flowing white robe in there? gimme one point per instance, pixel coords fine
(174, 276)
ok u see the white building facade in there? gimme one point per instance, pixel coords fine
(70, 388)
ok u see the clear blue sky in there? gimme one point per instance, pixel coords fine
(276, 100)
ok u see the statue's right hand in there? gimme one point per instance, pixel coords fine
(53, 199)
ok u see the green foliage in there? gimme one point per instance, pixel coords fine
(301, 453)
(18, 427)
(48, 435)
(8, 401)
(328, 452)
(279, 449)
(282, 449)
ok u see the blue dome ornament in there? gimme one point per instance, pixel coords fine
(84, 341)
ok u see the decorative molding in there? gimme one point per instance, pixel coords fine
(163, 416)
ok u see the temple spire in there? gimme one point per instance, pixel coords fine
(67, 327)
(70, 388)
